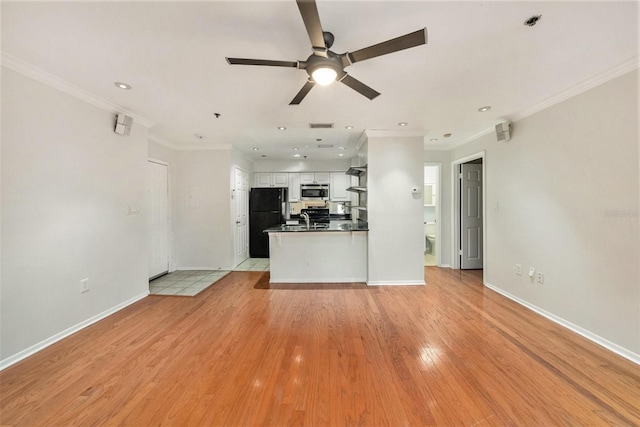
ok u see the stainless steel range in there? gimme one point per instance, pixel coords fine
(317, 215)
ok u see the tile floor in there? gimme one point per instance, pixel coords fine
(253, 264)
(192, 282)
(430, 259)
(185, 282)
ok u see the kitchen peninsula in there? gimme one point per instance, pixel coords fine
(330, 254)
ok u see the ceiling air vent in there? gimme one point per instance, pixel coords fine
(321, 125)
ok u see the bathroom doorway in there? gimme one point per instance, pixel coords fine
(431, 214)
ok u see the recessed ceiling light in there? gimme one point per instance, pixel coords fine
(282, 128)
(447, 135)
(341, 154)
(348, 127)
(295, 148)
(485, 108)
(318, 139)
(403, 124)
(122, 85)
(341, 148)
(263, 155)
(296, 155)
(199, 136)
(433, 139)
(255, 149)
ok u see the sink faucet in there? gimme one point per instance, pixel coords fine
(306, 218)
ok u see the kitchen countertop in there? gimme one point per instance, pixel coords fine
(333, 227)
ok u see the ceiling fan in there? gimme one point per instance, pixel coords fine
(325, 66)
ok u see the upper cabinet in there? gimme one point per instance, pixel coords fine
(294, 187)
(315, 177)
(338, 187)
(271, 179)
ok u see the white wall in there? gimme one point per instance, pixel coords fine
(567, 184)
(67, 183)
(202, 221)
(395, 215)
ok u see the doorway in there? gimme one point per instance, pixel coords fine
(158, 190)
(431, 214)
(469, 219)
(240, 194)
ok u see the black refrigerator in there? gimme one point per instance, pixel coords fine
(267, 208)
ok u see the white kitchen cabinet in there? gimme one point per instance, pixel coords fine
(338, 187)
(294, 187)
(271, 179)
(262, 179)
(315, 178)
(280, 179)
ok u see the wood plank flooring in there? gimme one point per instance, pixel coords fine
(244, 353)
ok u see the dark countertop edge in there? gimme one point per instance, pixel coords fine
(279, 229)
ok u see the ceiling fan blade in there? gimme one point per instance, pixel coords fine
(407, 41)
(359, 87)
(243, 61)
(311, 18)
(303, 92)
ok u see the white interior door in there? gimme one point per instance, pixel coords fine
(158, 178)
(241, 213)
(471, 216)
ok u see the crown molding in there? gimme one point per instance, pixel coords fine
(28, 70)
(473, 137)
(162, 141)
(575, 90)
(389, 133)
(579, 88)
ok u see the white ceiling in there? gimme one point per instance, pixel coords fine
(173, 54)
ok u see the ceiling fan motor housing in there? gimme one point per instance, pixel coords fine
(333, 62)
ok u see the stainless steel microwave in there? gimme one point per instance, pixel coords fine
(314, 192)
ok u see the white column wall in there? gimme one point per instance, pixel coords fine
(395, 215)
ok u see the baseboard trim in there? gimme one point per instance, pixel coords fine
(397, 283)
(603, 342)
(11, 360)
(307, 280)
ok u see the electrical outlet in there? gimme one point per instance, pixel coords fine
(84, 286)
(540, 278)
(519, 269)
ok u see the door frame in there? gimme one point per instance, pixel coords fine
(455, 209)
(438, 211)
(234, 213)
(170, 267)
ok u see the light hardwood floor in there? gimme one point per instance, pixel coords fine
(244, 353)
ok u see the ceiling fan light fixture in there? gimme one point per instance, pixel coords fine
(324, 76)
